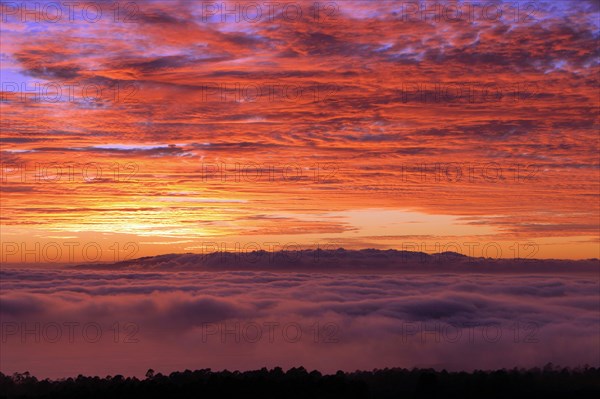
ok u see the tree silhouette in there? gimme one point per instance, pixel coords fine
(549, 382)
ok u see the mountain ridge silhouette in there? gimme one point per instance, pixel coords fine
(340, 260)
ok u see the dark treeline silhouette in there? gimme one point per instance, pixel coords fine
(547, 383)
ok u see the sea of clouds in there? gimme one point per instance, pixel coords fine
(58, 323)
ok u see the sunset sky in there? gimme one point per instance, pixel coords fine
(351, 124)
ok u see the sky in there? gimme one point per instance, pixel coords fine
(142, 128)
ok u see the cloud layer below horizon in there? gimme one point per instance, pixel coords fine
(174, 321)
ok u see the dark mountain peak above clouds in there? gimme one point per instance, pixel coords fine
(320, 260)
